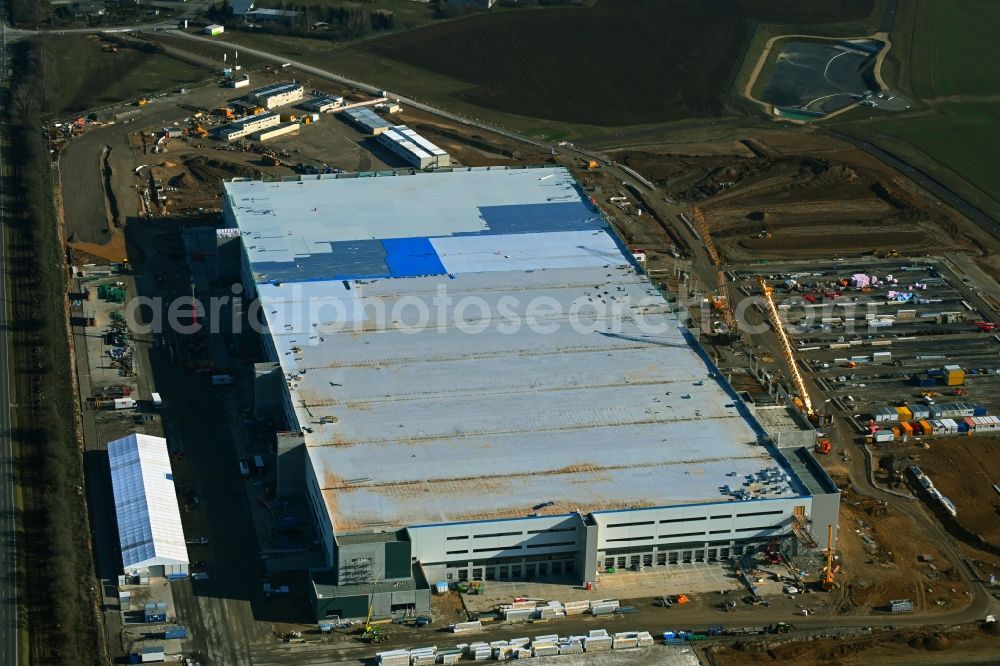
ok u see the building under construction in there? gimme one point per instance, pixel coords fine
(479, 383)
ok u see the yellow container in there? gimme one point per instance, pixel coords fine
(904, 414)
(956, 378)
(925, 425)
(895, 431)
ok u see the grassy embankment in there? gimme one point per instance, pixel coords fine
(946, 58)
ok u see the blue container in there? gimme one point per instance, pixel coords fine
(979, 410)
(134, 658)
(935, 372)
(176, 632)
(963, 426)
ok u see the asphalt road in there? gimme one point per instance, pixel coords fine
(9, 621)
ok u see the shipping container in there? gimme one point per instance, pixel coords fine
(926, 428)
(904, 414)
(906, 428)
(122, 403)
(258, 465)
(979, 410)
(157, 400)
(883, 437)
(175, 632)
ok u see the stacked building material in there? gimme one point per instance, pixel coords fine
(597, 641)
(576, 607)
(394, 658)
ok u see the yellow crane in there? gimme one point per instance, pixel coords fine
(828, 580)
(786, 348)
(720, 302)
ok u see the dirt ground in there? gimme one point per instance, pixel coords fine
(922, 646)
(884, 558)
(964, 469)
(812, 196)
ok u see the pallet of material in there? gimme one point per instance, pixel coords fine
(516, 614)
(451, 658)
(423, 659)
(603, 609)
(394, 658)
(597, 643)
(624, 642)
(547, 613)
(460, 627)
(576, 607)
(504, 653)
(479, 651)
(544, 649)
(519, 604)
(570, 647)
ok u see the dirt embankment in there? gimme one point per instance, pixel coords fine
(906, 646)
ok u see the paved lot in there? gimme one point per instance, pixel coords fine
(681, 578)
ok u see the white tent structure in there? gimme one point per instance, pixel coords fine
(149, 518)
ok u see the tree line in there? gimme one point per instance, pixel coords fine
(325, 22)
(62, 622)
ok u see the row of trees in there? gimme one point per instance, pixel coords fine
(59, 572)
(324, 21)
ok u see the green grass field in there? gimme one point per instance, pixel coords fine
(943, 48)
(79, 75)
(946, 57)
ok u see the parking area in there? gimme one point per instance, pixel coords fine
(886, 334)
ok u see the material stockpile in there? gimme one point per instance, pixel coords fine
(597, 641)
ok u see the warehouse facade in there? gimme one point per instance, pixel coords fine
(480, 445)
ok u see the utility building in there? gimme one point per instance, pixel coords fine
(415, 149)
(149, 519)
(490, 384)
(279, 94)
(247, 126)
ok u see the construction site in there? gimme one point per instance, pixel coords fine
(737, 482)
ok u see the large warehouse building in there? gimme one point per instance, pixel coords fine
(480, 383)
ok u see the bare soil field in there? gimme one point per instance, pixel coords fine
(964, 469)
(884, 558)
(923, 646)
(808, 197)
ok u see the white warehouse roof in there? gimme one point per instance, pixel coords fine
(408, 422)
(149, 518)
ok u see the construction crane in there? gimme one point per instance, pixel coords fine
(720, 302)
(828, 581)
(371, 633)
(786, 350)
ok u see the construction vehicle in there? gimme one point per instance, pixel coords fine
(823, 446)
(802, 400)
(270, 159)
(226, 112)
(257, 110)
(886, 254)
(960, 392)
(986, 326)
(828, 582)
(142, 101)
(772, 554)
(199, 131)
(371, 633)
(764, 233)
(588, 164)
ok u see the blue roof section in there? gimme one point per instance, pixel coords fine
(537, 218)
(411, 257)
